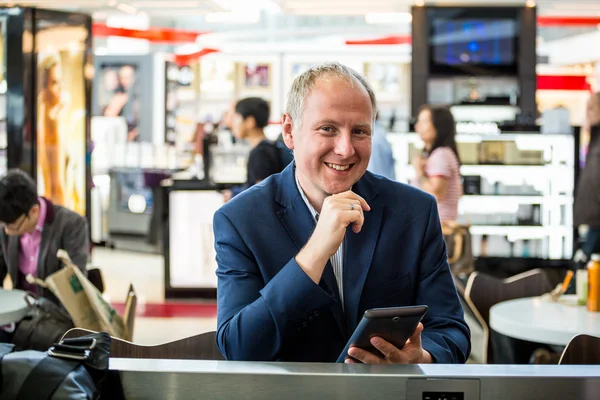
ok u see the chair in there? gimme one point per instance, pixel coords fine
(582, 349)
(483, 291)
(199, 347)
(459, 247)
(130, 309)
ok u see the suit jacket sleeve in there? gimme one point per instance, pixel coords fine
(446, 335)
(257, 319)
(76, 241)
(3, 266)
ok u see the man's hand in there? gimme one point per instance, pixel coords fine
(338, 211)
(411, 353)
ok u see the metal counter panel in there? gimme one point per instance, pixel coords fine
(185, 379)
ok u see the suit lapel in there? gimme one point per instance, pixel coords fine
(359, 250)
(299, 223)
(43, 252)
(13, 258)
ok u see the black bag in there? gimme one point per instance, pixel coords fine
(72, 369)
(44, 325)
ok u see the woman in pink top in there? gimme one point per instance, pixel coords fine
(438, 167)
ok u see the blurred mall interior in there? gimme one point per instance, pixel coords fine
(147, 89)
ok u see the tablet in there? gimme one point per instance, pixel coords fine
(395, 325)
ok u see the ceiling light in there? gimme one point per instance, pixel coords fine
(166, 4)
(419, 3)
(126, 8)
(233, 17)
(243, 6)
(530, 3)
(388, 18)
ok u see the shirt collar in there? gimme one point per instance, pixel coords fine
(42, 218)
(312, 210)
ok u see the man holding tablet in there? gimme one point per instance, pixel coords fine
(302, 255)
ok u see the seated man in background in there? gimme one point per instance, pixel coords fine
(302, 255)
(33, 231)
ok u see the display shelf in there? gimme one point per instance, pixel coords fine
(509, 171)
(490, 200)
(548, 183)
(519, 232)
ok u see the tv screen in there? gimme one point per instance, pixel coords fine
(457, 42)
(470, 43)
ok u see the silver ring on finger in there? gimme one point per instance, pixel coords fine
(351, 206)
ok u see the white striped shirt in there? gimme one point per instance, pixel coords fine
(337, 260)
(443, 163)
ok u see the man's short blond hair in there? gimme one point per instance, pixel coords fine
(304, 83)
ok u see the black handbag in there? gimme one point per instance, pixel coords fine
(44, 325)
(72, 369)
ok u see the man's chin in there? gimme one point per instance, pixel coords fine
(339, 187)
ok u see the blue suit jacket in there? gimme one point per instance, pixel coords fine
(269, 309)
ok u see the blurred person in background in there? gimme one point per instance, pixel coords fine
(438, 166)
(586, 211)
(382, 160)
(33, 230)
(227, 119)
(248, 123)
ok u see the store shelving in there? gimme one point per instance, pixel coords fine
(547, 184)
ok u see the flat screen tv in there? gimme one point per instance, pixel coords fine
(474, 41)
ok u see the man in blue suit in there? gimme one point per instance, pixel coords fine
(302, 255)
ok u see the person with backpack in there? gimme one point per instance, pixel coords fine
(266, 158)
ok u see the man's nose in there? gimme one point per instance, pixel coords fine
(344, 146)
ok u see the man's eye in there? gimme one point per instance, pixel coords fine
(327, 129)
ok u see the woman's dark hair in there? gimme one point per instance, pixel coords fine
(18, 194)
(254, 107)
(445, 128)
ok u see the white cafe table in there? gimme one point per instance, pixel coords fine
(538, 319)
(13, 306)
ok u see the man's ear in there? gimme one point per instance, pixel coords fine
(287, 125)
(250, 122)
(34, 209)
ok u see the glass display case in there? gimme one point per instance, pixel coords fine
(518, 191)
